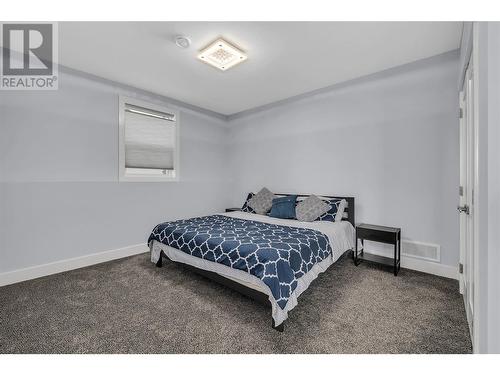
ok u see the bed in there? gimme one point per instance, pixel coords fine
(270, 260)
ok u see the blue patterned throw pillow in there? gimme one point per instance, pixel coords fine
(246, 207)
(284, 208)
(335, 205)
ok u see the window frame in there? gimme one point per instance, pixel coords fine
(123, 176)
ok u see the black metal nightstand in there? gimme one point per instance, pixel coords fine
(382, 234)
(233, 209)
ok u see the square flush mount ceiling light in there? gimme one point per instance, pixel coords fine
(222, 55)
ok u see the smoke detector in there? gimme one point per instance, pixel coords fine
(222, 55)
(182, 41)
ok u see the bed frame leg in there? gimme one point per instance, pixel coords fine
(159, 263)
(279, 328)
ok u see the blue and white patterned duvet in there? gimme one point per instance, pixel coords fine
(276, 254)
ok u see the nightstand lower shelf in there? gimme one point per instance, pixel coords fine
(375, 259)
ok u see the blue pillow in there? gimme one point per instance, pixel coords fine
(332, 212)
(284, 208)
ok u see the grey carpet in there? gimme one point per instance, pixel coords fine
(130, 306)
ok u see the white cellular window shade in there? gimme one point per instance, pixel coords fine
(149, 142)
(149, 139)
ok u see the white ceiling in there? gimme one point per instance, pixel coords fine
(284, 58)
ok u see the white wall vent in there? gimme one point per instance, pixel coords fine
(421, 250)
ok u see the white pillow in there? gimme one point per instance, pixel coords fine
(340, 210)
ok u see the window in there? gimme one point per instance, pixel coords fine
(148, 141)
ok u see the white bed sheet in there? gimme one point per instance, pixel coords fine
(340, 234)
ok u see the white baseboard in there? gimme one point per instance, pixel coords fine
(426, 266)
(430, 267)
(34, 272)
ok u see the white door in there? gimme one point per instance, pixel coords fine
(466, 203)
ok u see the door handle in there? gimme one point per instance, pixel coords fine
(463, 209)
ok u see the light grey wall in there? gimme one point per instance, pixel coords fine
(493, 187)
(487, 45)
(480, 46)
(390, 140)
(59, 191)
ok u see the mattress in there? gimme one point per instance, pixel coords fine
(339, 234)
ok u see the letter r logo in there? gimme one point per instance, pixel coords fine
(33, 46)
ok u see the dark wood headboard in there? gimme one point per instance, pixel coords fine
(349, 210)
